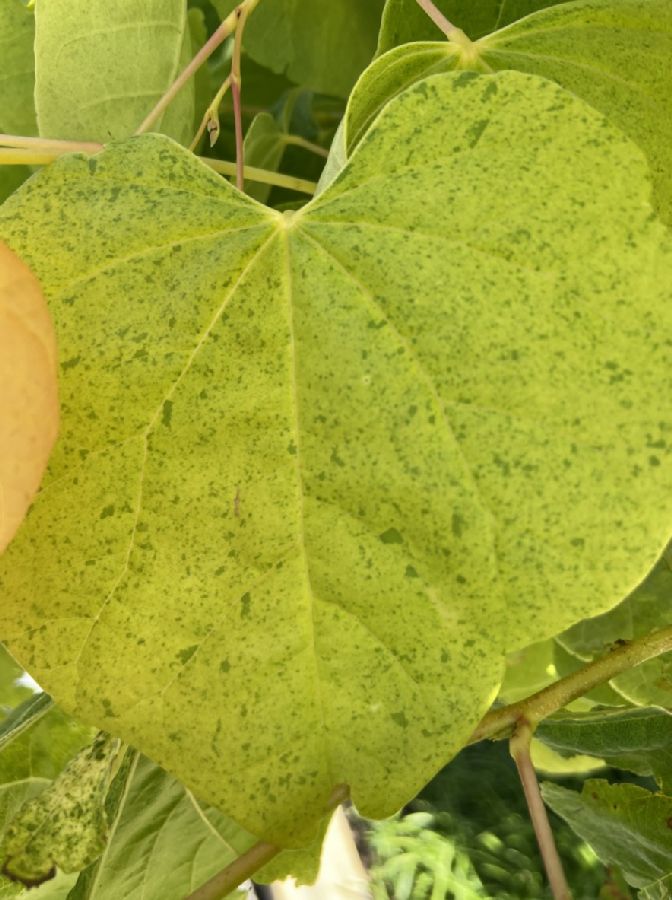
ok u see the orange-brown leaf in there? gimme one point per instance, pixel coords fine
(28, 390)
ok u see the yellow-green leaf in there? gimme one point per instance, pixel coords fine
(321, 470)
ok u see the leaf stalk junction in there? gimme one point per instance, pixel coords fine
(516, 721)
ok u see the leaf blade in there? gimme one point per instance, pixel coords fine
(374, 486)
(100, 68)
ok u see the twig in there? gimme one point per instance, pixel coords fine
(499, 723)
(438, 18)
(244, 11)
(263, 176)
(297, 141)
(251, 861)
(11, 157)
(218, 37)
(38, 157)
(238, 128)
(37, 143)
(520, 751)
(234, 874)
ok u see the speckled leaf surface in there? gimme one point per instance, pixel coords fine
(403, 21)
(614, 54)
(646, 609)
(57, 888)
(17, 33)
(65, 824)
(625, 825)
(100, 67)
(639, 740)
(318, 43)
(320, 470)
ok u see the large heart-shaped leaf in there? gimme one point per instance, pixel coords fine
(615, 54)
(319, 470)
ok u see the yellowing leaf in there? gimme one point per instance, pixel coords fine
(320, 471)
(28, 398)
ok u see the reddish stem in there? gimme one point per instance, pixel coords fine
(437, 17)
(238, 124)
(520, 751)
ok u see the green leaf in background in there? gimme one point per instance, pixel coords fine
(625, 824)
(645, 610)
(404, 21)
(393, 388)
(163, 844)
(23, 717)
(44, 748)
(17, 110)
(603, 695)
(36, 740)
(657, 890)
(17, 33)
(264, 147)
(548, 762)
(11, 692)
(204, 86)
(336, 160)
(639, 740)
(528, 671)
(100, 67)
(65, 824)
(614, 54)
(321, 44)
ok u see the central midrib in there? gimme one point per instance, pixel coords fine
(300, 492)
